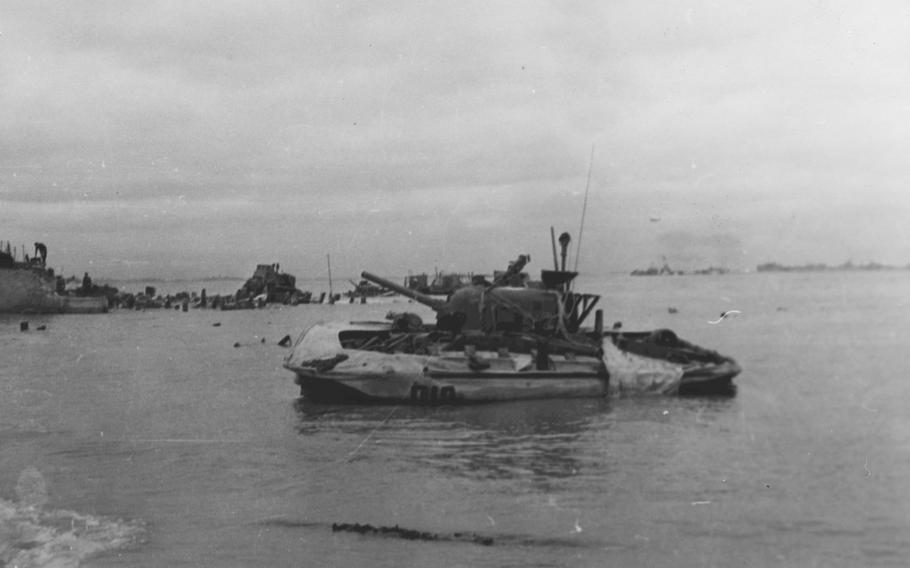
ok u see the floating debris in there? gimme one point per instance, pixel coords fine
(725, 315)
(479, 538)
(411, 534)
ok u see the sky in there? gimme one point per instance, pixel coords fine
(182, 139)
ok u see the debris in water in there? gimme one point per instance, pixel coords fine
(725, 315)
(410, 534)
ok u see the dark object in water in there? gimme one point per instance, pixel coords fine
(41, 327)
(216, 324)
(23, 326)
(285, 341)
(410, 534)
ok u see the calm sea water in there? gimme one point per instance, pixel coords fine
(149, 439)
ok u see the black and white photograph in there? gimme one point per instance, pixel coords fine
(454, 284)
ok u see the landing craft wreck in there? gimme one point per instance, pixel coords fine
(269, 285)
(28, 285)
(493, 342)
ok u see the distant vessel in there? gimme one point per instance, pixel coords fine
(821, 267)
(29, 286)
(664, 270)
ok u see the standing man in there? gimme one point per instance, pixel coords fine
(41, 250)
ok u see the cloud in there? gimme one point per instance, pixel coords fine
(345, 126)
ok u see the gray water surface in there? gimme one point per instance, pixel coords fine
(149, 439)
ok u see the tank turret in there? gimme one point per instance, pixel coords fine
(552, 310)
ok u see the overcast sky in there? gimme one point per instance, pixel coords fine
(183, 139)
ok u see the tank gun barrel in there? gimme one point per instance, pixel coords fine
(433, 303)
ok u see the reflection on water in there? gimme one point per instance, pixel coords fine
(536, 439)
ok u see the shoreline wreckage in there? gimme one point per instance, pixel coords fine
(267, 285)
(498, 342)
(29, 286)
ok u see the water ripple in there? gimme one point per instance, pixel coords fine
(33, 536)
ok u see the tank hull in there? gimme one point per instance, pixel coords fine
(327, 369)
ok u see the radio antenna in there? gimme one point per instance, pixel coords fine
(584, 208)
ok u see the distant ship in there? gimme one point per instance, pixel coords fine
(664, 270)
(29, 286)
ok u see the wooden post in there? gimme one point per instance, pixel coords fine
(328, 260)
